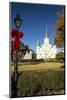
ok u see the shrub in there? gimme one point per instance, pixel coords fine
(60, 56)
(52, 60)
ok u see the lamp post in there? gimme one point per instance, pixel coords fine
(16, 35)
(18, 23)
(16, 51)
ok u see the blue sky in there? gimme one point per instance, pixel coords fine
(35, 17)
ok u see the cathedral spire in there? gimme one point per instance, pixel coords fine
(38, 43)
(46, 32)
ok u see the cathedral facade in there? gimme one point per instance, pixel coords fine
(46, 50)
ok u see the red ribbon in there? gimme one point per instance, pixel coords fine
(16, 35)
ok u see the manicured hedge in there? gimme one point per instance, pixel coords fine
(52, 60)
(32, 60)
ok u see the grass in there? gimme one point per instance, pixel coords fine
(34, 83)
(40, 79)
(40, 66)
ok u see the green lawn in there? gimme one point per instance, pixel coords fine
(33, 83)
(40, 79)
(40, 66)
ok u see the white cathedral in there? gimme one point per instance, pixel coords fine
(46, 50)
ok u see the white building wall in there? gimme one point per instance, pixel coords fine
(46, 51)
(28, 55)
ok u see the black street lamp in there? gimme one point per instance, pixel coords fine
(18, 21)
(17, 52)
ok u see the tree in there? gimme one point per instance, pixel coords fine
(60, 56)
(60, 30)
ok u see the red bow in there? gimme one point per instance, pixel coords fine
(16, 35)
